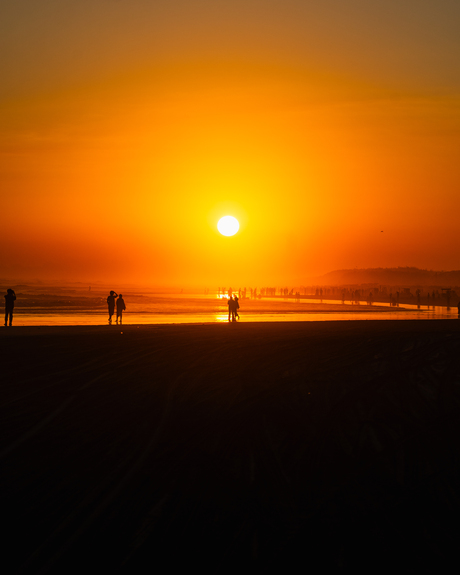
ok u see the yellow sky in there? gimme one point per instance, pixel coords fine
(128, 129)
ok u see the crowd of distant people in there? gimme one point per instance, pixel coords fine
(116, 302)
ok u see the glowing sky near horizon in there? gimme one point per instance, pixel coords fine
(128, 129)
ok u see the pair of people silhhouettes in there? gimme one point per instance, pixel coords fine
(233, 307)
(119, 304)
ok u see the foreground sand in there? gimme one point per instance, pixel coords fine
(231, 446)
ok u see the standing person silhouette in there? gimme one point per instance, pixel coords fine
(10, 298)
(231, 309)
(111, 304)
(236, 307)
(120, 307)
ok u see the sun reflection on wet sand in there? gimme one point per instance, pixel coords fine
(245, 317)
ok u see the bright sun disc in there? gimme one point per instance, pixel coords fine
(228, 226)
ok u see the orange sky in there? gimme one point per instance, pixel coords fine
(128, 128)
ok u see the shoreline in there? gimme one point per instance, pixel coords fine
(261, 316)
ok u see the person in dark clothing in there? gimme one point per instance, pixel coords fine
(111, 304)
(120, 307)
(231, 309)
(236, 307)
(10, 298)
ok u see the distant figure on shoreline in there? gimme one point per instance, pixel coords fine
(237, 307)
(10, 298)
(458, 307)
(111, 304)
(230, 308)
(120, 307)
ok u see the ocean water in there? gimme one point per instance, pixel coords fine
(192, 309)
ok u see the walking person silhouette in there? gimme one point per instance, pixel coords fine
(120, 307)
(111, 304)
(10, 298)
(236, 307)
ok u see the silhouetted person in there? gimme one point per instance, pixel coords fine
(458, 307)
(230, 306)
(10, 298)
(111, 304)
(237, 307)
(231, 309)
(120, 307)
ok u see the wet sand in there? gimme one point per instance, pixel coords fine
(231, 446)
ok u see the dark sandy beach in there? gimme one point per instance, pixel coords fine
(333, 446)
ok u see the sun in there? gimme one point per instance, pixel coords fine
(228, 226)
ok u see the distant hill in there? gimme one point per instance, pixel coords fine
(408, 276)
